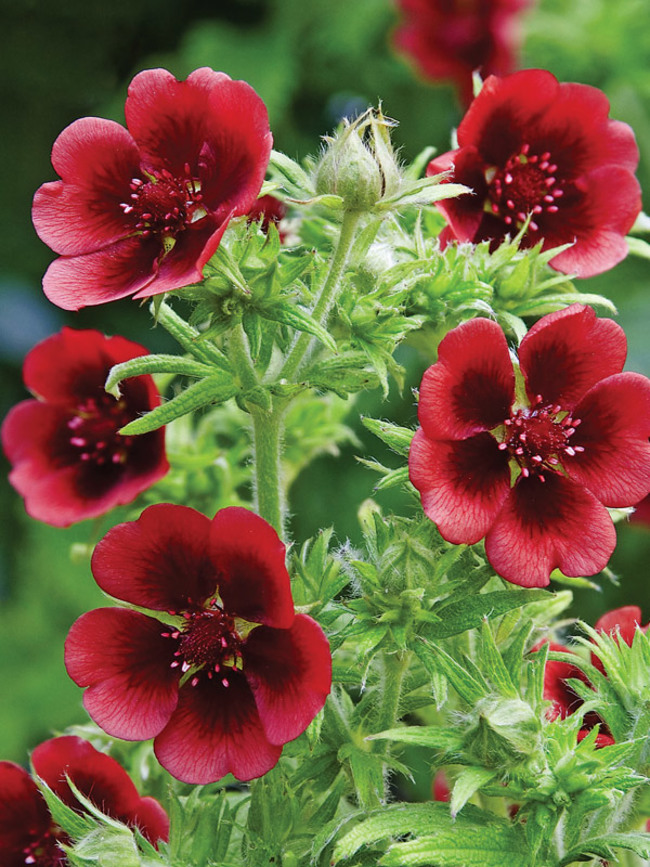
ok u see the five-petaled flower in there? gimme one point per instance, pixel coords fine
(69, 461)
(451, 39)
(532, 147)
(28, 833)
(139, 211)
(531, 461)
(227, 672)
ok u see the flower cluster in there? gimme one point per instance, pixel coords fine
(544, 155)
(28, 833)
(226, 672)
(531, 465)
(69, 460)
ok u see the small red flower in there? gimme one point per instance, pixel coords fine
(269, 210)
(139, 211)
(69, 461)
(28, 834)
(533, 471)
(529, 145)
(230, 673)
(451, 39)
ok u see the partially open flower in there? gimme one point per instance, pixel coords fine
(228, 672)
(69, 461)
(29, 835)
(140, 211)
(530, 147)
(532, 470)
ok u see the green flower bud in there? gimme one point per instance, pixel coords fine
(359, 164)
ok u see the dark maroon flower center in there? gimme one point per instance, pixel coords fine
(163, 205)
(527, 184)
(538, 437)
(208, 643)
(94, 430)
(45, 852)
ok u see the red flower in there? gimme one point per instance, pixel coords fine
(232, 673)
(28, 834)
(269, 210)
(451, 39)
(140, 211)
(530, 145)
(619, 623)
(573, 438)
(69, 461)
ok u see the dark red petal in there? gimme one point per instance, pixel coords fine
(621, 622)
(119, 270)
(122, 658)
(463, 483)
(566, 353)
(24, 817)
(543, 526)
(161, 561)
(96, 160)
(464, 213)
(614, 432)
(253, 579)
(556, 690)
(290, 674)
(216, 730)
(471, 387)
(602, 738)
(152, 820)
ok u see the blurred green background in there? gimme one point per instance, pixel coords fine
(312, 61)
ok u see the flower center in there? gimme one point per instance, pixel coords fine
(93, 430)
(163, 205)
(527, 184)
(45, 852)
(537, 439)
(209, 643)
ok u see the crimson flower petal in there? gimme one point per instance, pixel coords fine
(541, 526)
(471, 387)
(215, 731)
(464, 213)
(152, 820)
(614, 433)
(619, 623)
(290, 674)
(556, 689)
(463, 483)
(96, 160)
(565, 353)
(161, 561)
(24, 816)
(122, 658)
(253, 579)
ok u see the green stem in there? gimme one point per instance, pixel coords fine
(395, 666)
(327, 296)
(267, 433)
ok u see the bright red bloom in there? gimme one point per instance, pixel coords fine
(139, 211)
(530, 145)
(69, 461)
(28, 834)
(231, 675)
(574, 441)
(451, 39)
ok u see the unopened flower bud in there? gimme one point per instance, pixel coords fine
(359, 164)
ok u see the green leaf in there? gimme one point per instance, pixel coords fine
(465, 684)
(466, 845)
(75, 824)
(290, 314)
(469, 781)
(211, 390)
(436, 737)
(638, 247)
(148, 364)
(468, 613)
(396, 438)
(601, 847)
(294, 178)
(188, 337)
(493, 666)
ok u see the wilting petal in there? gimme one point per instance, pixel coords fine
(543, 526)
(463, 483)
(471, 387)
(253, 579)
(614, 432)
(216, 730)
(123, 659)
(565, 353)
(290, 674)
(24, 817)
(161, 561)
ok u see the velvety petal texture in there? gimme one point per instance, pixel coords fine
(533, 476)
(68, 460)
(531, 146)
(232, 675)
(25, 820)
(139, 211)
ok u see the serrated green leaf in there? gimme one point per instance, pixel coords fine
(77, 825)
(149, 364)
(294, 178)
(211, 390)
(466, 846)
(290, 314)
(188, 337)
(436, 737)
(468, 782)
(468, 613)
(396, 438)
(393, 478)
(493, 666)
(601, 847)
(467, 686)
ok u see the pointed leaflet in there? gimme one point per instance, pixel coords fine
(176, 364)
